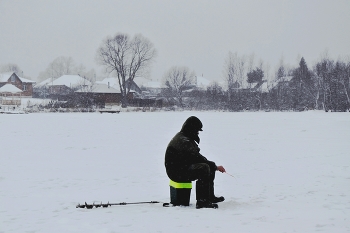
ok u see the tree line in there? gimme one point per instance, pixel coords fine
(244, 84)
(325, 86)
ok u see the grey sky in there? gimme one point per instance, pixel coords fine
(194, 33)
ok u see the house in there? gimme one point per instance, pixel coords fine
(281, 82)
(113, 82)
(264, 86)
(198, 83)
(9, 96)
(25, 85)
(143, 92)
(201, 82)
(44, 83)
(261, 86)
(101, 94)
(148, 87)
(65, 84)
(139, 85)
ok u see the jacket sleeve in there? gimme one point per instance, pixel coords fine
(193, 155)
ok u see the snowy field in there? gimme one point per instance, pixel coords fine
(292, 172)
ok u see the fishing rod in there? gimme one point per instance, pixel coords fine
(230, 174)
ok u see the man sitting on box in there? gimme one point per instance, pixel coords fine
(184, 163)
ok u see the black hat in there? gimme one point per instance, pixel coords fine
(192, 124)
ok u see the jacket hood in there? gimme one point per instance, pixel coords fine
(192, 124)
(191, 127)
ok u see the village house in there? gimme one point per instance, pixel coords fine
(102, 95)
(198, 84)
(264, 86)
(64, 85)
(25, 85)
(149, 88)
(201, 83)
(9, 97)
(113, 82)
(143, 92)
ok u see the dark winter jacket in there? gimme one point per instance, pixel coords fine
(183, 151)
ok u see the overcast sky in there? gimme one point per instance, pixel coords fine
(193, 33)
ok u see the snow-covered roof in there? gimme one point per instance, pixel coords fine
(5, 77)
(116, 86)
(154, 84)
(280, 80)
(285, 79)
(100, 88)
(25, 80)
(202, 82)
(140, 82)
(223, 85)
(265, 87)
(9, 88)
(148, 83)
(111, 81)
(43, 83)
(69, 81)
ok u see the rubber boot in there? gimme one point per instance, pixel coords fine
(212, 197)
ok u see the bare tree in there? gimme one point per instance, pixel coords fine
(251, 62)
(230, 73)
(333, 83)
(343, 77)
(320, 70)
(241, 67)
(283, 69)
(11, 67)
(90, 75)
(235, 78)
(323, 70)
(61, 66)
(177, 80)
(58, 67)
(127, 58)
(267, 73)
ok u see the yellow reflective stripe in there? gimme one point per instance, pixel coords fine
(180, 185)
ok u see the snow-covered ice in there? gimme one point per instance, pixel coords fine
(292, 172)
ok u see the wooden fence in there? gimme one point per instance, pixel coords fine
(10, 102)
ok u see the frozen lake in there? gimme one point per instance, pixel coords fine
(292, 172)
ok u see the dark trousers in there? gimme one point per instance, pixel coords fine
(204, 174)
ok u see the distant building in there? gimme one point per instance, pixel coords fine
(102, 94)
(10, 96)
(65, 84)
(25, 85)
(201, 82)
(149, 87)
(113, 82)
(280, 82)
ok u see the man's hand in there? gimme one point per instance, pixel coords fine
(221, 169)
